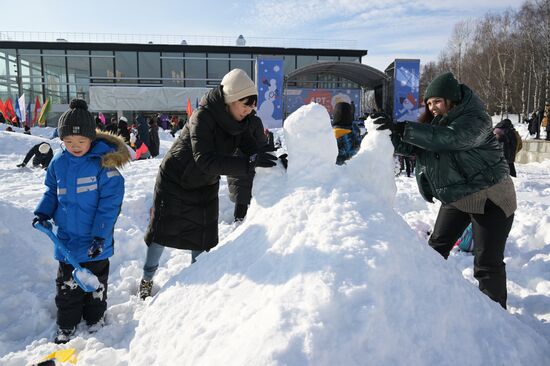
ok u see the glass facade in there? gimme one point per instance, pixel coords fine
(65, 74)
(78, 72)
(172, 69)
(149, 68)
(195, 69)
(218, 66)
(126, 71)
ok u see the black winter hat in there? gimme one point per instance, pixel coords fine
(444, 86)
(77, 121)
(342, 115)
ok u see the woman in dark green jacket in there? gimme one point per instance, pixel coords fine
(460, 163)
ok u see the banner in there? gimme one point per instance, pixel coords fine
(297, 97)
(407, 81)
(37, 108)
(269, 79)
(22, 109)
(42, 118)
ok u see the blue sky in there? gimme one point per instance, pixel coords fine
(388, 29)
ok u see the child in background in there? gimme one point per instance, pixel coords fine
(40, 153)
(347, 137)
(84, 193)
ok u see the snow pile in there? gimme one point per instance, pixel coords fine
(326, 273)
(322, 271)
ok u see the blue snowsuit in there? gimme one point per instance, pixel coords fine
(84, 197)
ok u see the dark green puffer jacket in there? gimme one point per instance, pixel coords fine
(456, 154)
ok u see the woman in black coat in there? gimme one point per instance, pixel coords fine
(185, 204)
(240, 187)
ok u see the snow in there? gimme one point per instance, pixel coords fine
(331, 266)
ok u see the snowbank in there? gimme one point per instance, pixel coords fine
(324, 270)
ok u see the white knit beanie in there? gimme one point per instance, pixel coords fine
(237, 85)
(44, 148)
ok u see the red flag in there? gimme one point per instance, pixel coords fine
(37, 108)
(2, 109)
(189, 108)
(8, 106)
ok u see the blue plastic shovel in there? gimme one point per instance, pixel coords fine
(83, 277)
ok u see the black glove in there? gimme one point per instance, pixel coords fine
(96, 248)
(387, 124)
(263, 158)
(284, 160)
(22, 165)
(41, 219)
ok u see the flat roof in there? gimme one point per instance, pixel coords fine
(94, 46)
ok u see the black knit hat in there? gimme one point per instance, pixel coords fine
(342, 115)
(76, 121)
(444, 86)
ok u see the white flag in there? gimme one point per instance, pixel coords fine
(22, 109)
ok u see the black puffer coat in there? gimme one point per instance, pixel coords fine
(456, 154)
(39, 158)
(240, 187)
(185, 212)
(154, 138)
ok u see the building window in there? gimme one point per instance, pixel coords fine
(126, 67)
(149, 67)
(218, 66)
(8, 73)
(195, 69)
(31, 74)
(55, 76)
(172, 69)
(302, 61)
(350, 59)
(78, 68)
(102, 67)
(239, 61)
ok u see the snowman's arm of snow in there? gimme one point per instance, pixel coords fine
(461, 134)
(48, 203)
(208, 160)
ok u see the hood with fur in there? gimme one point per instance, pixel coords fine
(118, 155)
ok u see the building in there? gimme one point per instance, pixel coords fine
(152, 77)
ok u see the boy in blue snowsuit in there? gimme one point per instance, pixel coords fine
(84, 193)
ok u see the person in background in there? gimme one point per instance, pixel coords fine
(347, 137)
(460, 163)
(41, 155)
(123, 130)
(84, 194)
(154, 138)
(143, 131)
(505, 134)
(185, 203)
(27, 130)
(112, 127)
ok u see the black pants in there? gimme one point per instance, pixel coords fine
(512, 169)
(73, 303)
(490, 231)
